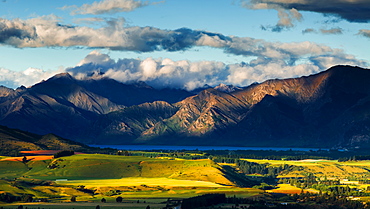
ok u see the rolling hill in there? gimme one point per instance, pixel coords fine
(14, 140)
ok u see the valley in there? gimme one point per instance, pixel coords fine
(45, 162)
(156, 177)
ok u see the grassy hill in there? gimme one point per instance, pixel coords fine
(98, 166)
(91, 177)
(13, 140)
(95, 175)
(331, 169)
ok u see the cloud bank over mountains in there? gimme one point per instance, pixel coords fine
(28, 77)
(183, 74)
(162, 73)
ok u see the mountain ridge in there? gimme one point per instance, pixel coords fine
(328, 109)
(14, 140)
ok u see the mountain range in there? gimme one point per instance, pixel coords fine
(328, 109)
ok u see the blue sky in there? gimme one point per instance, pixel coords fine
(177, 43)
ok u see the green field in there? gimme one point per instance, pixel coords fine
(150, 182)
(88, 205)
(331, 169)
(91, 177)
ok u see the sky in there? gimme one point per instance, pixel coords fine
(180, 43)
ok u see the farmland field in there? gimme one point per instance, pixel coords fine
(323, 168)
(89, 178)
(164, 182)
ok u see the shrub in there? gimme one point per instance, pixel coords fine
(112, 192)
(64, 153)
(119, 199)
(27, 198)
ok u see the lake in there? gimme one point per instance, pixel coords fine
(202, 148)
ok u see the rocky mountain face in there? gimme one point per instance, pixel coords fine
(329, 109)
(67, 107)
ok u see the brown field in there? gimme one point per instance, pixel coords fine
(30, 158)
(44, 152)
(40, 152)
(36, 155)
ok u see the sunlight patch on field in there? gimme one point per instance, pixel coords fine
(286, 189)
(289, 189)
(357, 163)
(292, 162)
(40, 157)
(331, 169)
(140, 181)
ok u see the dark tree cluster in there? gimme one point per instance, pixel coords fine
(354, 158)
(203, 201)
(265, 169)
(8, 198)
(64, 153)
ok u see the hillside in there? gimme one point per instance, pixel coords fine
(86, 175)
(13, 140)
(329, 109)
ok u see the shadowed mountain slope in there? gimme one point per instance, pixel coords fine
(14, 140)
(329, 109)
(66, 106)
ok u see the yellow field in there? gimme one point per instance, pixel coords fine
(164, 182)
(289, 189)
(155, 187)
(292, 162)
(286, 189)
(332, 169)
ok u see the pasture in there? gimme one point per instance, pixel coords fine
(150, 182)
(91, 177)
(331, 169)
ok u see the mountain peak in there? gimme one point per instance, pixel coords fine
(227, 88)
(62, 76)
(5, 91)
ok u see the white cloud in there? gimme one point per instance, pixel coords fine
(28, 77)
(288, 59)
(332, 31)
(309, 30)
(246, 74)
(47, 32)
(162, 73)
(364, 32)
(106, 7)
(326, 61)
(286, 19)
(89, 20)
